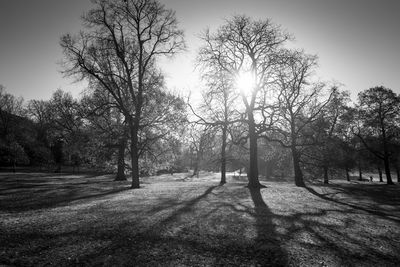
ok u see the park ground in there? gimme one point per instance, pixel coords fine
(173, 220)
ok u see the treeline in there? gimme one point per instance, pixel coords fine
(263, 109)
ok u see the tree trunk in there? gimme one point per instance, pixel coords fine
(298, 174)
(380, 174)
(121, 160)
(359, 172)
(347, 174)
(223, 156)
(253, 170)
(134, 155)
(398, 173)
(326, 179)
(196, 168)
(387, 169)
(386, 155)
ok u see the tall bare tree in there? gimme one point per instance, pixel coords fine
(241, 46)
(119, 50)
(300, 104)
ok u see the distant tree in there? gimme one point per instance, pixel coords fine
(301, 103)
(39, 111)
(201, 140)
(124, 40)
(378, 110)
(11, 112)
(107, 127)
(164, 120)
(10, 106)
(244, 47)
(218, 107)
(329, 130)
(68, 135)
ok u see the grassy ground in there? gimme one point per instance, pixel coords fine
(75, 220)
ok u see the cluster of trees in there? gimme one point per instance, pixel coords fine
(259, 93)
(262, 108)
(89, 132)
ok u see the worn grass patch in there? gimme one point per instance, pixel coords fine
(75, 220)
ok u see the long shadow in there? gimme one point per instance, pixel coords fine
(267, 245)
(55, 201)
(187, 207)
(379, 193)
(368, 210)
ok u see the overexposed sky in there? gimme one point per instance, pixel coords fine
(357, 41)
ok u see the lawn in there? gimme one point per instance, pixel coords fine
(89, 220)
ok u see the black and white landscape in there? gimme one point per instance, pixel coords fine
(199, 133)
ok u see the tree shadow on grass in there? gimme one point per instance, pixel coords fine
(178, 239)
(180, 233)
(267, 245)
(376, 192)
(36, 191)
(369, 208)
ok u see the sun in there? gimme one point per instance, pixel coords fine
(245, 81)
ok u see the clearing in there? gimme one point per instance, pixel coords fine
(89, 220)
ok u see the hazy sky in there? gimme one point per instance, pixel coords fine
(357, 41)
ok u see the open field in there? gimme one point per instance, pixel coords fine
(75, 220)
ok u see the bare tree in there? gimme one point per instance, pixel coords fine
(119, 50)
(378, 112)
(243, 47)
(107, 123)
(11, 108)
(330, 134)
(201, 140)
(300, 105)
(218, 108)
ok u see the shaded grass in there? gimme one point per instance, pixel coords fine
(176, 221)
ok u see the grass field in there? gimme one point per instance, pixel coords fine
(80, 220)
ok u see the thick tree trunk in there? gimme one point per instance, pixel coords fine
(223, 156)
(326, 178)
(398, 173)
(298, 174)
(253, 168)
(121, 160)
(134, 156)
(347, 174)
(380, 174)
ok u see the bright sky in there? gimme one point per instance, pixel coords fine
(357, 41)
